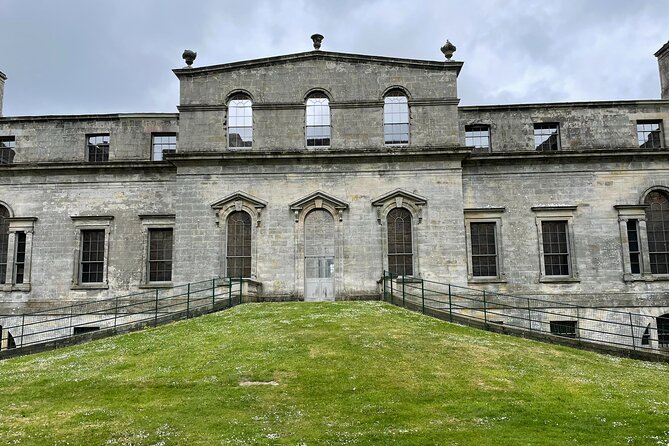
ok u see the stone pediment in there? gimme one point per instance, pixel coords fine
(399, 198)
(239, 201)
(239, 196)
(327, 56)
(318, 200)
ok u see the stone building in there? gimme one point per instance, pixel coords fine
(310, 174)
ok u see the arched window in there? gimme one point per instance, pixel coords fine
(4, 242)
(657, 224)
(663, 331)
(396, 118)
(238, 258)
(400, 246)
(318, 120)
(240, 121)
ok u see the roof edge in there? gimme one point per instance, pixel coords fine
(418, 63)
(604, 103)
(101, 116)
(662, 50)
(3, 76)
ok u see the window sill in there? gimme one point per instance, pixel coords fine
(645, 277)
(152, 285)
(472, 279)
(559, 279)
(16, 287)
(90, 286)
(407, 279)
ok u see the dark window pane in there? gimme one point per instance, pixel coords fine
(657, 229)
(160, 255)
(649, 134)
(547, 137)
(238, 259)
(563, 328)
(483, 249)
(20, 257)
(400, 247)
(97, 148)
(92, 255)
(556, 251)
(4, 242)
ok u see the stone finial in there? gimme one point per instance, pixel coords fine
(448, 49)
(189, 56)
(317, 38)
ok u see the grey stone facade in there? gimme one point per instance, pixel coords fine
(594, 183)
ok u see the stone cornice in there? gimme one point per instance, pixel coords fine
(91, 117)
(584, 104)
(321, 55)
(333, 105)
(562, 156)
(81, 167)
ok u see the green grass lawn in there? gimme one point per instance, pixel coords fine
(331, 373)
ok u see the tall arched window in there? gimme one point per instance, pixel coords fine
(240, 121)
(238, 258)
(400, 246)
(4, 242)
(657, 224)
(396, 118)
(318, 120)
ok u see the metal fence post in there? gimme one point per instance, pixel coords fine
(23, 328)
(485, 310)
(155, 320)
(230, 292)
(115, 310)
(391, 288)
(422, 293)
(529, 313)
(450, 304)
(632, 332)
(188, 301)
(241, 295)
(213, 293)
(384, 285)
(403, 297)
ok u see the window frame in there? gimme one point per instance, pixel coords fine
(638, 212)
(150, 222)
(563, 214)
(317, 94)
(7, 142)
(240, 96)
(250, 246)
(396, 93)
(492, 216)
(564, 328)
(660, 130)
(547, 126)
(87, 223)
(469, 128)
(90, 146)
(161, 152)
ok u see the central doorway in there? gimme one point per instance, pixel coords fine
(319, 256)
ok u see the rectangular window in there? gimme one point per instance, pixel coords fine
(20, 257)
(97, 148)
(92, 258)
(649, 134)
(162, 144)
(563, 328)
(556, 248)
(160, 255)
(547, 137)
(478, 137)
(84, 329)
(484, 249)
(7, 149)
(634, 247)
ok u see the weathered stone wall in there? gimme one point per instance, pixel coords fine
(279, 92)
(2, 89)
(663, 64)
(53, 196)
(583, 125)
(594, 185)
(63, 138)
(439, 239)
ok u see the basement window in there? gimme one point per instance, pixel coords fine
(563, 328)
(84, 329)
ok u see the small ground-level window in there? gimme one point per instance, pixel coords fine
(563, 328)
(84, 329)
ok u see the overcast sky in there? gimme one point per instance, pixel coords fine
(86, 56)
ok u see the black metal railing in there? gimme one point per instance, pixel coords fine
(146, 308)
(615, 328)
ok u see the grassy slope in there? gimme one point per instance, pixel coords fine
(347, 373)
